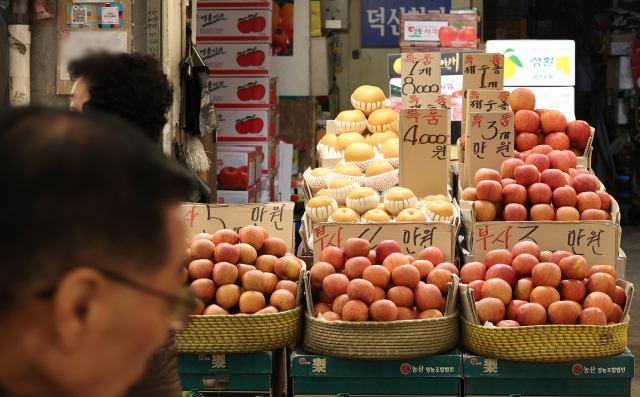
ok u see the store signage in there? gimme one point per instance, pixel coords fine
(420, 73)
(481, 71)
(490, 141)
(426, 101)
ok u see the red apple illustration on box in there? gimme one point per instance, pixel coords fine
(251, 23)
(250, 57)
(252, 91)
(249, 124)
(229, 178)
(456, 34)
(244, 176)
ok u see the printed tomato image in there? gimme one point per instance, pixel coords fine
(245, 24)
(229, 178)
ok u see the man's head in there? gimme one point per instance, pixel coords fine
(92, 251)
(130, 86)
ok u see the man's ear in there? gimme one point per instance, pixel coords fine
(76, 305)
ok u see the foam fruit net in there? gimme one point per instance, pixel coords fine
(383, 182)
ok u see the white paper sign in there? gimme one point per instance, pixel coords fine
(423, 30)
(80, 44)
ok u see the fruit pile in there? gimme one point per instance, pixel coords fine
(545, 187)
(235, 273)
(528, 287)
(359, 284)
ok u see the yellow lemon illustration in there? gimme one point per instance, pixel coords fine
(397, 65)
(509, 68)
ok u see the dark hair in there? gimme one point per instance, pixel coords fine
(130, 86)
(79, 190)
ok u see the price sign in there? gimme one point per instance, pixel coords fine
(490, 141)
(426, 101)
(597, 241)
(420, 73)
(277, 218)
(481, 71)
(412, 236)
(424, 150)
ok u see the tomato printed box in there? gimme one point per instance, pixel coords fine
(236, 169)
(244, 59)
(243, 125)
(238, 25)
(239, 92)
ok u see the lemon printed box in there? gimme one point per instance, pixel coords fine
(548, 63)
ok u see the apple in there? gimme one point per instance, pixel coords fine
(567, 214)
(531, 314)
(526, 247)
(226, 253)
(494, 257)
(432, 254)
(522, 99)
(563, 312)
(424, 267)
(356, 247)
(579, 133)
(252, 235)
(497, 288)
(321, 308)
(507, 181)
(553, 120)
(355, 266)
(526, 141)
(504, 272)
(202, 249)
(545, 256)
(619, 297)
(515, 212)
(542, 212)
(592, 316)
(252, 301)
(540, 161)
(401, 296)
(513, 307)
(427, 296)
(476, 286)
(226, 236)
(203, 288)
(553, 178)
(487, 174)
(450, 267)
(491, 310)
(319, 271)
(558, 141)
(440, 278)
(523, 264)
(271, 281)
(588, 201)
(508, 166)
(355, 310)
(404, 313)
(616, 316)
(199, 307)
(559, 160)
(526, 175)
(522, 289)
(215, 310)
(557, 256)
(507, 323)
(526, 121)
(200, 268)
(410, 258)
(489, 190)
(360, 289)
(406, 275)
(224, 273)
(331, 316)
(585, 183)
(603, 269)
(283, 300)
(574, 267)
(605, 200)
(335, 285)
(253, 280)
(544, 295)
(469, 194)
(266, 263)
(572, 290)
(599, 300)
(472, 271)
(325, 298)
(288, 268)
(386, 248)
(564, 197)
(333, 256)
(514, 194)
(546, 275)
(601, 282)
(378, 294)
(377, 275)
(431, 313)
(573, 159)
(274, 246)
(485, 211)
(394, 260)
(201, 236)
(542, 149)
(288, 285)
(383, 310)
(339, 303)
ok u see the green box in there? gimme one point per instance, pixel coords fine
(238, 375)
(317, 375)
(608, 376)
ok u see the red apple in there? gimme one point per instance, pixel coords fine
(531, 314)
(595, 215)
(485, 211)
(432, 254)
(487, 174)
(558, 141)
(619, 297)
(526, 247)
(526, 141)
(502, 257)
(497, 288)
(424, 267)
(600, 300)
(504, 272)
(573, 267)
(355, 266)
(469, 194)
(573, 160)
(563, 312)
(601, 282)
(472, 271)
(588, 201)
(546, 275)
(356, 247)
(334, 256)
(564, 197)
(553, 120)
(522, 99)
(553, 178)
(386, 248)
(540, 161)
(513, 307)
(592, 316)
(476, 286)
(514, 194)
(566, 214)
(508, 166)
(515, 212)
(526, 121)
(523, 288)
(440, 278)
(559, 160)
(507, 181)
(489, 190)
(526, 175)
(544, 296)
(539, 193)
(542, 149)
(605, 200)
(523, 264)
(491, 310)
(579, 133)
(572, 290)
(585, 183)
(542, 212)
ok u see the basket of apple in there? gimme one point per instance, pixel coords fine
(248, 292)
(381, 304)
(528, 305)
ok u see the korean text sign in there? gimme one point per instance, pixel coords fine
(420, 73)
(481, 71)
(490, 141)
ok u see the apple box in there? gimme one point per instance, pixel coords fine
(234, 375)
(266, 151)
(235, 4)
(243, 125)
(237, 25)
(239, 92)
(247, 196)
(324, 376)
(243, 59)
(236, 169)
(440, 31)
(607, 376)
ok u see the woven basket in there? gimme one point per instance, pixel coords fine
(543, 343)
(384, 340)
(243, 334)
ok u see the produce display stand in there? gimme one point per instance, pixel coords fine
(321, 375)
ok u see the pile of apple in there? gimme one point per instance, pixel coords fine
(545, 187)
(359, 284)
(528, 287)
(240, 273)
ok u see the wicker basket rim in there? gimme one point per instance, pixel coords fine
(226, 316)
(389, 324)
(545, 327)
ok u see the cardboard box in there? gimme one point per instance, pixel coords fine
(451, 62)
(243, 125)
(317, 375)
(267, 152)
(246, 196)
(276, 217)
(274, 99)
(236, 375)
(236, 169)
(285, 158)
(236, 4)
(537, 62)
(236, 25)
(245, 59)
(439, 31)
(618, 44)
(239, 92)
(607, 376)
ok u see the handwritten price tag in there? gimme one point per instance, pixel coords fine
(420, 73)
(277, 218)
(490, 141)
(424, 150)
(412, 236)
(426, 101)
(481, 71)
(597, 241)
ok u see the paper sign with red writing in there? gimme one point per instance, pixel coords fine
(420, 73)
(426, 101)
(424, 150)
(481, 71)
(277, 218)
(490, 141)
(412, 236)
(597, 241)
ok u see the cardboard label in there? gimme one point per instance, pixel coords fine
(426, 101)
(215, 25)
(412, 236)
(424, 150)
(490, 141)
(420, 73)
(277, 218)
(481, 71)
(249, 59)
(596, 241)
(243, 125)
(239, 92)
